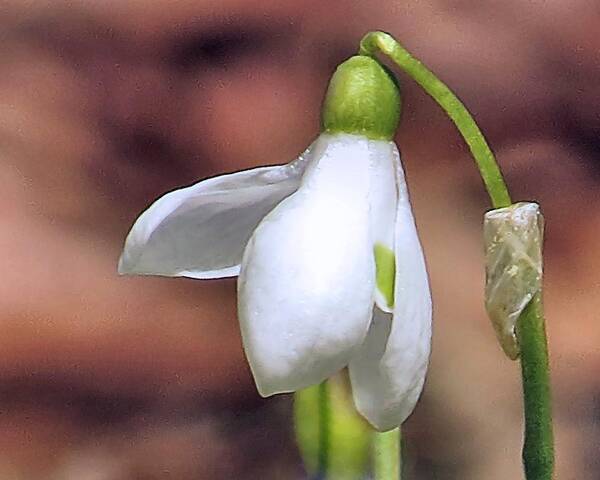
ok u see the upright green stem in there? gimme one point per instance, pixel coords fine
(490, 172)
(386, 455)
(324, 430)
(538, 450)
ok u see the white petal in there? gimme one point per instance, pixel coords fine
(305, 292)
(383, 195)
(369, 385)
(201, 231)
(388, 373)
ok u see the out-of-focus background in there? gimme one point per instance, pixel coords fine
(105, 105)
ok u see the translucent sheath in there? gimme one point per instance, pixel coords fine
(513, 255)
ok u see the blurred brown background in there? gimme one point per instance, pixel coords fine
(105, 105)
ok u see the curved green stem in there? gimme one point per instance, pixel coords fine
(490, 172)
(538, 450)
(386, 455)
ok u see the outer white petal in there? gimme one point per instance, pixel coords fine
(305, 292)
(383, 196)
(201, 231)
(388, 373)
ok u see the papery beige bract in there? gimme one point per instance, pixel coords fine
(513, 258)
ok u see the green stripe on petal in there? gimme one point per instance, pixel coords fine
(385, 264)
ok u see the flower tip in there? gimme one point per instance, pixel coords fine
(129, 262)
(122, 267)
(378, 419)
(267, 388)
(264, 392)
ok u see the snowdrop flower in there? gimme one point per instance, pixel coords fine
(331, 271)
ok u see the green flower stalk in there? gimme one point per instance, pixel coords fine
(334, 440)
(515, 306)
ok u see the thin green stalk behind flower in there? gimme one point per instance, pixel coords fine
(538, 451)
(490, 173)
(348, 435)
(386, 455)
(324, 429)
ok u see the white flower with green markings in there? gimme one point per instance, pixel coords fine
(331, 271)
